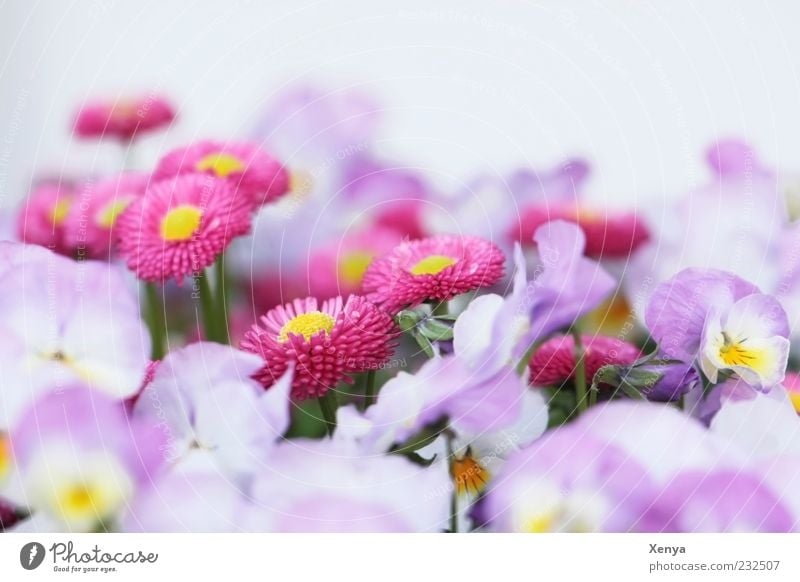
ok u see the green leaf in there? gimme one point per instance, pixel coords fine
(425, 344)
(435, 330)
(408, 319)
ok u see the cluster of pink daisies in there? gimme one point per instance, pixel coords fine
(287, 331)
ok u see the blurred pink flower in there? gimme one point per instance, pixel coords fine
(244, 165)
(123, 119)
(42, 218)
(97, 205)
(554, 361)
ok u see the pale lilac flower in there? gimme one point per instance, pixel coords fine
(566, 285)
(761, 426)
(63, 322)
(203, 400)
(190, 500)
(629, 466)
(569, 481)
(80, 460)
(330, 486)
(722, 322)
(722, 501)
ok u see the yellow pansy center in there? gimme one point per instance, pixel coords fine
(735, 353)
(794, 398)
(84, 501)
(541, 523)
(307, 324)
(108, 215)
(5, 456)
(221, 164)
(60, 210)
(181, 223)
(432, 265)
(353, 266)
(469, 475)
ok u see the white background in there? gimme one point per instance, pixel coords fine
(639, 87)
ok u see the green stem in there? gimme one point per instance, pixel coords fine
(328, 405)
(593, 390)
(454, 496)
(580, 373)
(155, 321)
(370, 390)
(526, 358)
(221, 300)
(208, 308)
(441, 308)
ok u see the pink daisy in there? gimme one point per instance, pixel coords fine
(245, 165)
(326, 344)
(553, 363)
(338, 268)
(42, 218)
(608, 234)
(180, 226)
(123, 119)
(90, 224)
(432, 269)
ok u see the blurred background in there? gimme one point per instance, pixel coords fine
(639, 88)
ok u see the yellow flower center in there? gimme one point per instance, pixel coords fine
(108, 215)
(300, 182)
(124, 109)
(353, 266)
(794, 398)
(432, 265)
(180, 223)
(469, 475)
(60, 210)
(83, 500)
(541, 523)
(221, 164)
(307, 324)
(5, 456)
(735, 353)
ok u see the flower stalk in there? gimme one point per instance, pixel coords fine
(156, 321)
(328, 405)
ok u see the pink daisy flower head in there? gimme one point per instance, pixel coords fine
(43, 216)
(180, 226)
(554, 362)
(324, 343)
(244, 164)
(123, 119)
(432, 269)
(98, 205)
(609, 234)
